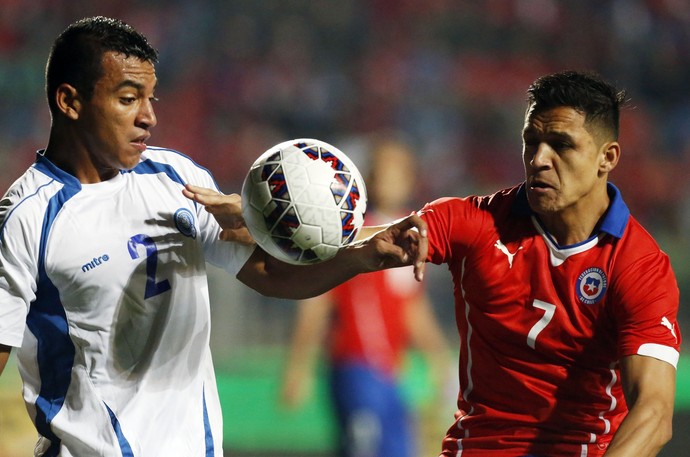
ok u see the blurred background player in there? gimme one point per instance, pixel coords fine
(369, 323)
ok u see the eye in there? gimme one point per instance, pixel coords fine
(127, 100)
(560, 145)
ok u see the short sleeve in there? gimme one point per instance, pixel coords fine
(646, 310)
(453, 224)
(17, 283)
(228, 255)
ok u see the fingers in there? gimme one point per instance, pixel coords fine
(413, 222)
(422, 249)
(419, 271)
(210, 197)
(201, 195)
(226, 209)
(192, 189)
(415, 230)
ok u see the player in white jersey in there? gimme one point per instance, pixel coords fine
(116, 337)
(103, 244)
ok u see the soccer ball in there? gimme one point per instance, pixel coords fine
(303, 200)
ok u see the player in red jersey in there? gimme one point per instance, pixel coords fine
(566, 306)
(368, 323)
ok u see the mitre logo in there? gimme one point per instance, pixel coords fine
(591, 285)
(95, 262)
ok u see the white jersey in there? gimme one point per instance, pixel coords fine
(103, 289)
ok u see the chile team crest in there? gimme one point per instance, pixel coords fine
(591, 285)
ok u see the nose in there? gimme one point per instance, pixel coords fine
(146, 117)
(541, 157)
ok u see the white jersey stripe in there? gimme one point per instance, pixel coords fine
(660, 352)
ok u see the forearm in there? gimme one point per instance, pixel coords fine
(645, 430)
(649, 386)
(401, 244)
(271, 277)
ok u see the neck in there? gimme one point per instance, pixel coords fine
(68, 153)
(578, 223)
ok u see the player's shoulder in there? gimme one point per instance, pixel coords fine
(168, 156)
(173, 162)
(502, 198)
(638, 247)
(33, 189)
(472, 213)
(24, 205)
(637, 241)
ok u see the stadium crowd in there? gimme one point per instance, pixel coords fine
(237, 77)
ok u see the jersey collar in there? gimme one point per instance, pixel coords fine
(615, 219)
(47, 167)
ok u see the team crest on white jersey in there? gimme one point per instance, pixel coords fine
(591, 285)
(511, 255)
(184, 221)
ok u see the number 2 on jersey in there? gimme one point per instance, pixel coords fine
(549, 310)
(153, 288)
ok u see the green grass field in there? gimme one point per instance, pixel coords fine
(250, 405)
(253, 419)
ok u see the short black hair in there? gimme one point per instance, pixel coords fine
(586, 92)
(76, 55)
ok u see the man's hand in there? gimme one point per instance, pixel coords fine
(399, 244)
(227, 209)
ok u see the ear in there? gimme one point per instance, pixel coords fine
(68, 101)
(609, 155)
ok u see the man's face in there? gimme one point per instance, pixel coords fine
(562, 160)
(116, 121)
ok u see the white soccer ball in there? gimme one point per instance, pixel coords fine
(303, 200)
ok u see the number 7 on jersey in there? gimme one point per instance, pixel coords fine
(549, 310)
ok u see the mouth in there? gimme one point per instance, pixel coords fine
(140, 142)
(539, 185)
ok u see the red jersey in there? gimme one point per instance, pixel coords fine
(542, 326)
(370, 326)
